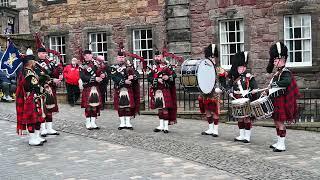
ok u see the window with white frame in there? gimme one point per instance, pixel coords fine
(297, 37)
(4, 3)
(142, 46)
(58, 43)
(231, 40)
(98, 44)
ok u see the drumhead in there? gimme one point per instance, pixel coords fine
(240, 101)
(206, 76)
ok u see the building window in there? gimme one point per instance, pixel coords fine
(142, 46)
(58, 44)
(4, 3)
(98, 44)
(231, 40)
(297, 37)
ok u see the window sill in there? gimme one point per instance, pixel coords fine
(305, 69)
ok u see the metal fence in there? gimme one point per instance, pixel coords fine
(308, 104)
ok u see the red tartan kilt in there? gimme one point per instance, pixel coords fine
(85, 96)
(116, 98)
(209, 104)
(55, 108)
(280, 112)
(30, 116)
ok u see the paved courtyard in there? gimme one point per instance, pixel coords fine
(181, 154)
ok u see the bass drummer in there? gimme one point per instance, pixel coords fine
(210, 103)
(243, 85)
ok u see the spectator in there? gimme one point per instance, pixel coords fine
(8, 85)
(72, 76)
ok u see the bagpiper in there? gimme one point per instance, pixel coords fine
(162, 76)
(50, 75)
(285, 98)
(126, 90)
(244, 86)
(210, 103)
(91, 98)
(29, 102)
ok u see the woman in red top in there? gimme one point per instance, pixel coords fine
(72, 76)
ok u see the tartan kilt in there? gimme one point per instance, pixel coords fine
(280, 113)
(116, 98)
(168, 101)
(30, 116)
(209, 104)
(85, 96)
(55, 108)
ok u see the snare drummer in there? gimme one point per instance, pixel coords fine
(285, 105)
(210, 103)
(163, 92)
(243, 85)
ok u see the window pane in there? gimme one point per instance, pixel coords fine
(93, 38)
(59, 40)
(63, 50)
(237, 25)
(306, 20)
(287, 32)
(137, 44)
(297, 21)
(149, 34)
(144, 54)
(104, 37)
(63, 40)
(143, 34)
(53, 41)
(291, 56)
(150, 54)
(143, 44)
(238, 37)
(223, 27)
(105, 48)
(224, 60)
(99, 37)
(298, 56)
(307, 45)
(223, 37)
(297, 45)
(288, 21)
(297, 32)
(233, 49)
(232, 26)
(232, 37)
(149, 44)
(99, 47)
(94, 47)
(306, 32)
(137, 34)
(306, 56)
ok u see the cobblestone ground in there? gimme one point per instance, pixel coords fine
(76, 157)
(252, 161)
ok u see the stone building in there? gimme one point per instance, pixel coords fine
(186, 26)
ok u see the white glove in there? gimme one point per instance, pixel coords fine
(218, 90)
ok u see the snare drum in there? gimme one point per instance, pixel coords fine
(262, 108)
(241, 108)
(198, 75)
(276, 92)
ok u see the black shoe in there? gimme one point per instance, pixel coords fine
(120, 128)
(43, 135)
(44, 141)
(215, 135)
(204, 133)
(96, 128)
(165, 131)
(54, 134)
(272, 147)
(157, 130)
(237, 140)
(246, 141)
(130, 128)
(278, 150)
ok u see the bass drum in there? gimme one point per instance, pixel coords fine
(198, 75)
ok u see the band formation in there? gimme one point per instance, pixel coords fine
(37, 101)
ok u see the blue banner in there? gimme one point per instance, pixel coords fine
(10, 61)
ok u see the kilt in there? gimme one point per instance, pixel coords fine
(30, 115)
(281, 111)
(210, 104)
(168, 101)
(85, 96)
(55, 108)
(117, 98)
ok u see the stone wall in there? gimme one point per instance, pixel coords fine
(263, 26)
(76, 18)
